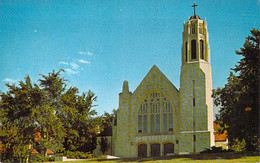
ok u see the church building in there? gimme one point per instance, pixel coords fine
(157, 119)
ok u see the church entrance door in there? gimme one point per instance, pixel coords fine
(142, 150)
(155, 150)
(168, 149)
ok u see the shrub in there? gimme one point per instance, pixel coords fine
(214, 149)
(38, 158)
(41, 158)
(239, 146)
(77, 155)
(51, 159)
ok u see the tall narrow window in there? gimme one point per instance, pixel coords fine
(158, 123)
(170, 124)
(152, 124)
(140, 124)
(168, 116)
(186, 51)
(142, 118)
(193, 31)
(193, 49)
(165, 123)
(201, 49)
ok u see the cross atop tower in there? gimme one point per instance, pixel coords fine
(194, 6)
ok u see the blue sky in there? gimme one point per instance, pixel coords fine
(102, 43)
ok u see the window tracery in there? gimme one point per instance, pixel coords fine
(159, 110)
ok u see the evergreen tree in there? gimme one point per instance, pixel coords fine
(239, 99)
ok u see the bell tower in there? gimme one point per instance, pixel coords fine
(196, 104)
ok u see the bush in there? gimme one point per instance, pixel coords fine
(239, 146)
(41, 158)
(214, 149)
(38, 158)
(51, 159)
(77, 155)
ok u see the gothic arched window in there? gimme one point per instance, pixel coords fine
(167, 116)
(155, 112)
(201, 49)
(193, 49)
(153, 107)
(142, 117)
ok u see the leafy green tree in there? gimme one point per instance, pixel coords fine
(239, 98)
(107, 123)
(19, 123)
(60, 115)
(74, 111)
(104, 144)
(79, 121)
(51, 128)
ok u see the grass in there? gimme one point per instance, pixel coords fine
(196, 158)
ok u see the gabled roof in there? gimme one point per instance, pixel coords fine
(50, 152)
(34, 151)
(155, 80)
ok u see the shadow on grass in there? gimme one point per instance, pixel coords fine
(202, 156)
(221, 155)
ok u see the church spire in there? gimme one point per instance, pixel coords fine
(125, 87)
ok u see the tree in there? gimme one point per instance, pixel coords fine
(25, 110)
(51, 128)
(79, 121)
(59, 115)
(107, 123)
(104, 144)
(74, 111)
(239, 98)
(106, 130)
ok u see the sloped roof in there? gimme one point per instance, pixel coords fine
(34, 151)
(50, 152)
(153, 77)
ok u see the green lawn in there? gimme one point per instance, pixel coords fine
(254, 159)
(202, 158)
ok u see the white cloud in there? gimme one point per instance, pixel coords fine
(70, 71)
(8, 80)
(83, 61)
(89, 53)
(64, 63)
(35, 30)
(74, 65)
(82, 53)
(85, 53)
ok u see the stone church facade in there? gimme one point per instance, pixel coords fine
(157, 119)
